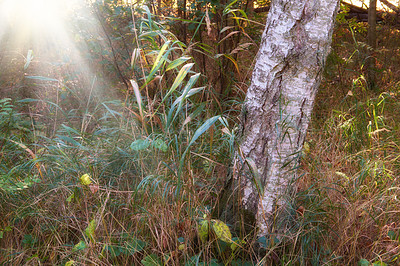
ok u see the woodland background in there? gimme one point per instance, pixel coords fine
(117, 134)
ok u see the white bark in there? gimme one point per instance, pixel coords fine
(294, 47)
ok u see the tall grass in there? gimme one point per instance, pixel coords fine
(133, 181)
(119, 182)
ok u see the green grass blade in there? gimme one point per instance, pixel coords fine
(177, 62)
(203, 128)
(179, 78)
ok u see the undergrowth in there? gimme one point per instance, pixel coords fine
(133, 181)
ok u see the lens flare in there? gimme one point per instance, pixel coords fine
(51, 31)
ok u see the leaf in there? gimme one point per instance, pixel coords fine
(112, 112)
(306, 147)
(135, 56)
(28, 240)
(71, 130)
(135, 87)
(196, 135)
(203, 128)
(85, 180)
(222, 231)
(227, 8)
(257, 180)
(379, 263)
(203, 230)
(151, 260)
(29, 58)
(233, 61)
(41, 78)
(71, 197)
(80, 246)
(89, 231)
(236, 242)
(226, 28)
(114, 251)
(227, 36)
(158, 62)
(177, 62)
(73, 142)
(140, 144)
(135, 245)
(178, 80)
(187, 92)
(363, 262)
(160, 144)
(70, 263)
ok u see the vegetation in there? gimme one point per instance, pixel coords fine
(123, 163)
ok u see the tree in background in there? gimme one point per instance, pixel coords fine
(276, 113)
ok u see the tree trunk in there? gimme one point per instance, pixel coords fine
(276, 112)
(370, 62)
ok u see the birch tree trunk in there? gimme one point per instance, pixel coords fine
(276, 112)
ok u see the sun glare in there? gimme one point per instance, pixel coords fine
(49, 30)
(30, 17)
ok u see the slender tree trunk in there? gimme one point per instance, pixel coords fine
(370, 62)
(276, 112)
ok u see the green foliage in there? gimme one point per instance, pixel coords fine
(89, 231)
(18, 162)
(88, 180)
(151, 260)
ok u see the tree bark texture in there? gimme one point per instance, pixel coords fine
(276, 112)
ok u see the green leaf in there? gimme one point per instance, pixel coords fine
(151, 260)
(70, 263)
(178, 80)
(160, 144)
(71, 197)
(135, 245)
(392, 235)
(140, 144)
(187, 92)
(236, 242)
(203, 230)
(80, 246)
(379, 263)
(257, 180)
(28, 241)
(114, 251)
(222, 231)
(158, 62)
(363, 262)
(177, 62)
(196, 135)
(71, 130)
(89, 231)
(85, 180)
(41, 78)
(203, 128)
